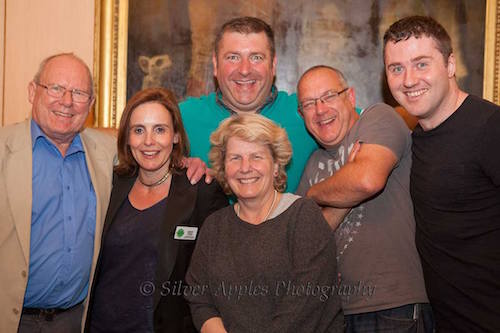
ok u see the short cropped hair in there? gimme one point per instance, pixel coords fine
(127, 165)
(45, 61)
(251, 128)
(246, 25)
(416, 26)
(342, 79)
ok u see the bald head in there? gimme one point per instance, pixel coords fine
(43, 64)
(327, 104)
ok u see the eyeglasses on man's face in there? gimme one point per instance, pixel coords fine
(57, 91)
(327, 98)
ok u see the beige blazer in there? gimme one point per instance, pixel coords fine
(15, 209)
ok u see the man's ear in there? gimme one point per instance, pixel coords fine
(351, 95)
(275, 62)
(214, 63)
(91, 103)
(31, 91)
(451, 66)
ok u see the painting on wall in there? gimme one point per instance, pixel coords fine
(170, 42)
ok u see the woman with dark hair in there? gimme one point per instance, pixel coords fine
(151, 224)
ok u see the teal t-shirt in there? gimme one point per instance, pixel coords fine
(201, 116)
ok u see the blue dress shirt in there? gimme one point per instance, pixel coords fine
(62, 225)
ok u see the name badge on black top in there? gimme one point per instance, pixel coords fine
(185, 232)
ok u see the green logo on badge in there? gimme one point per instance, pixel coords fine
(180, 233)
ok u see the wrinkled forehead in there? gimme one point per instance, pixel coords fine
(66, 70)
(319, 81)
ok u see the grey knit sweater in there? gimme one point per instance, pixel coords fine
(278, 276)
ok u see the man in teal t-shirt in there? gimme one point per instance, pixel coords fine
(245, 65)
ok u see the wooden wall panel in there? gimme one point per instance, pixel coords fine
(34, 30)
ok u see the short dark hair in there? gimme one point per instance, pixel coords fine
(246, 25)
(127, 165)
(416, 26)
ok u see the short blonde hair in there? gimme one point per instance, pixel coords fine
(251, 128)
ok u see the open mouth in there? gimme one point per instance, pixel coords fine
(62, 114)
(248, 180)
(150, 153)
(244, 83)
(415, 93)
(327, 121)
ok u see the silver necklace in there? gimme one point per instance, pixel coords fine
(268, 212)
(159, 182)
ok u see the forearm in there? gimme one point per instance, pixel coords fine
(213, 325)
(344, 189)
(363, 176)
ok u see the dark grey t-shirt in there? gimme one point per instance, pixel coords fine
(378, 261)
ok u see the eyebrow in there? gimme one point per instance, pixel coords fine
(320, 95)
(421, 58)
(144, 125)
(416, 59)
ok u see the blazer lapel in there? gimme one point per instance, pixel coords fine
(18, 171)
(179, 208)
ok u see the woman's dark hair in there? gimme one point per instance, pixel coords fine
(127, 166)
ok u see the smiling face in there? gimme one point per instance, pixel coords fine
(418, 76)
(244, 70)
(151, 136)
(249, 169)
(60, 118)
(327, 122)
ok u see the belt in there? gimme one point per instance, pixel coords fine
(47, 314)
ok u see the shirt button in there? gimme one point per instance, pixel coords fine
(23, 274)
(68, 249)
(16, 311)
(69, 218)
(67, 187)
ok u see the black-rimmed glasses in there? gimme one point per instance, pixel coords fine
(327, 98)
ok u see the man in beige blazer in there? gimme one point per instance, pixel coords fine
(61, 95)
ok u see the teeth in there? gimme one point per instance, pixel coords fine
(60, 114)
(415, 93)
(149, 153)
(248, 180)
(326, 121)
(245, 82)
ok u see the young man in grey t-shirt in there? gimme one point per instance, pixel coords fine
(365, 198)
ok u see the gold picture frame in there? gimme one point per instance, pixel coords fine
(110, 58)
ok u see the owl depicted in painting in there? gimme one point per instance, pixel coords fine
(154, 69)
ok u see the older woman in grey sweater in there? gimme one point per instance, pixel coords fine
(267, 263)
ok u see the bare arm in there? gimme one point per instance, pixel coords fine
(357, 180)
(213, 325)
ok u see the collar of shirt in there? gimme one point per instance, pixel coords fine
(37, 133)
(270, 100)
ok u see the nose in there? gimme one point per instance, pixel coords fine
(244, 67)
(245, 164)
(409, 79)
(320, 106)
(67, 98)
(148, 138)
